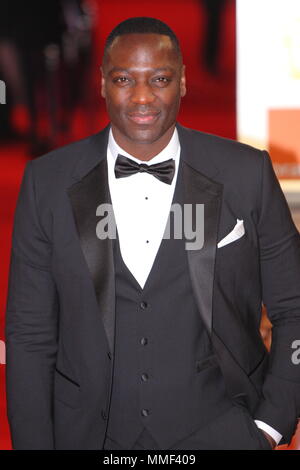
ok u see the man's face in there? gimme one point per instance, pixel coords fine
(142, 82)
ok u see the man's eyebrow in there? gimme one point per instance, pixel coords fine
(155, 70)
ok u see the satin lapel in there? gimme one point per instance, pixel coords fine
(200, 190)
(200, 167)
(85, 196)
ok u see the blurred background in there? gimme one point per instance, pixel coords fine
(50, 54)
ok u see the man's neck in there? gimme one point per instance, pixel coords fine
(143, 151)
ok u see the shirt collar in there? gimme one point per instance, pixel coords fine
(172, 150)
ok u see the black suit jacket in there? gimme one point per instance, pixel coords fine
(60, 308)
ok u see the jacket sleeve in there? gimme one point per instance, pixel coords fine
(31, 326)
(279, 243)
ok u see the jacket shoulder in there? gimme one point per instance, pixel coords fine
(62, 158)
(221, 145)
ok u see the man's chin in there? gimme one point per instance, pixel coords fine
(144, 136)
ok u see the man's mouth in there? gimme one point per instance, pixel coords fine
(143, 118)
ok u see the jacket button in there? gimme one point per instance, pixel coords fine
(144, 341)
(144, 377)
(104, 415)
(143, 305)
(145, 412)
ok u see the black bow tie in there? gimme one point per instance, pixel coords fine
(163, 171)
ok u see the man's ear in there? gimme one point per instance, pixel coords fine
(183, 82)
(102, 82)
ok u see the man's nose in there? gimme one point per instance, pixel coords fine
(142, 93)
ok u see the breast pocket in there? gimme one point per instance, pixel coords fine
(233, 244)
(66, 390)
(237, 263)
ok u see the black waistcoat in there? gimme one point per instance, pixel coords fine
(166, 377)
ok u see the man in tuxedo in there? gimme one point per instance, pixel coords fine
(142, 341)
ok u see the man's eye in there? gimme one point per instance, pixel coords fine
(162, 80)
(120, 80)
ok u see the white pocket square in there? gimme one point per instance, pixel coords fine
(237, 232)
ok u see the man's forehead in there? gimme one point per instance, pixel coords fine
(139, 68)
(141, 50)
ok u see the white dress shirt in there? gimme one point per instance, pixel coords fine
(141, 205)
